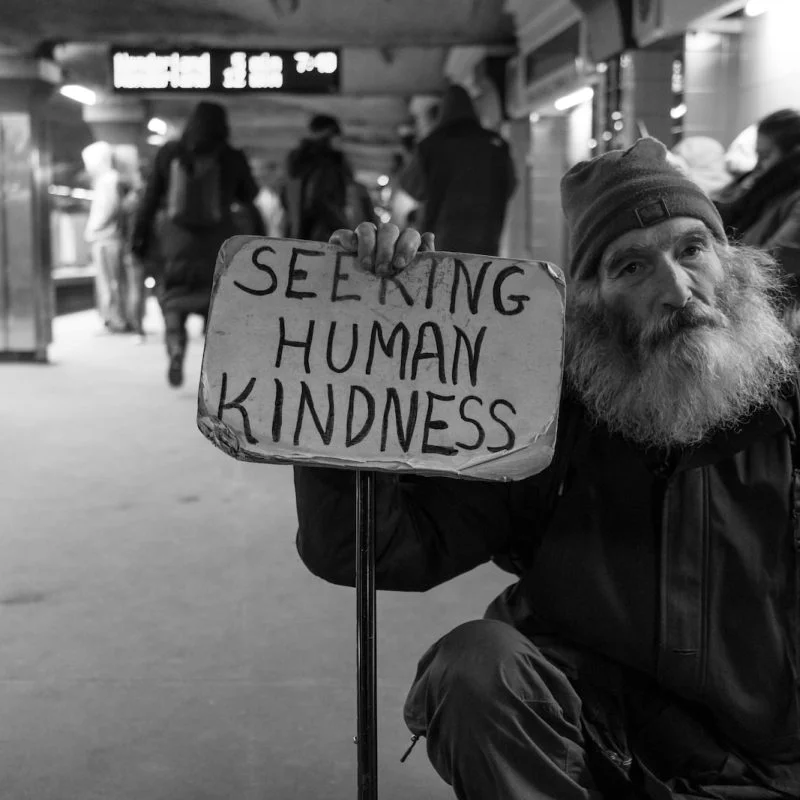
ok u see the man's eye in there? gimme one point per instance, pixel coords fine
(692, 250)
(631, 269)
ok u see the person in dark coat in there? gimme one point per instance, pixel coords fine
(188, 249)
(766, 213)
(319, 177)
(649, 648)
(463, 176)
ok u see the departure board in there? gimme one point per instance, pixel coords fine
(220, 71)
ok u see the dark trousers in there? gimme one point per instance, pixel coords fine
(175, 329)
(502, 720)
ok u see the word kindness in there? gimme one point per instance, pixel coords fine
(450, 366)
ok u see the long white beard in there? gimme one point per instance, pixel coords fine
(677, 379)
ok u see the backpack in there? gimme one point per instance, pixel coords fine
(194, 197)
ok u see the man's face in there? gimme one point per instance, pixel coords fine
(677, 335)
(658, 279)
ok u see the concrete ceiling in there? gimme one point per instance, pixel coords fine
(391, 50)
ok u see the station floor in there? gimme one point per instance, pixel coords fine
(159, 637)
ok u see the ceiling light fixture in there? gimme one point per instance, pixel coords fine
(80, 94)
(678, 111)
(755, 8)
(157, 126)
(574, 98)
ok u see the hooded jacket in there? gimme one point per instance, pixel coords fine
(675, 574)
(767, 213)
(464, 177)
(316, 191)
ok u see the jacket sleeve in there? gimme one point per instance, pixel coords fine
(152, 198)
(428, 529)
(511, 174)
(412, 179)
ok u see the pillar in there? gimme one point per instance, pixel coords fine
(516, 239)
(651, 91)
(26, 292)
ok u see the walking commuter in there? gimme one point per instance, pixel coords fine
(197, 179)
(463, 176)
(648, 649)
(767, 212)
(134, 268)
(269, 201)
(104, 234)
(318, 179)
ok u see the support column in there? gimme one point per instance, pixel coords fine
(26, 292)
(517, 238)
(651, 96)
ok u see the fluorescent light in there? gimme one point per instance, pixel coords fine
(80, 94)
(574, 99)
(383, 180)
(155, 140)
(755, 8)
(157, 126)
(678, 111)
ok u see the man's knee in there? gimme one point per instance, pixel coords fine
(480, 663)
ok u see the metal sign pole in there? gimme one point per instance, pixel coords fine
(366, 653)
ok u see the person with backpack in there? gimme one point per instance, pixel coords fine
(650, 647)
(196, 181)
(319, 176)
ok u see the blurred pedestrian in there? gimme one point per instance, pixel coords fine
(463, 176)
(104, 234)
(318, 179)
(269, 201)
(359, 207)
(703, 159)
(197, 179)
(766, 213)
(134, 268)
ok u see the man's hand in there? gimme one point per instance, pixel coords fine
(383, 250)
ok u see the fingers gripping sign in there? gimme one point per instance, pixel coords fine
(383, 250)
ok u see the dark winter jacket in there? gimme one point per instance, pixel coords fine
(464, 177)
(189, 255)
(316, 191)
(767, 214)
(677, 574)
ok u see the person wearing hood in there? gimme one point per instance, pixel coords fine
(766, 213)
(104, 234)
(463, 176)
(196, 180)
(703, 160)
(318, 180)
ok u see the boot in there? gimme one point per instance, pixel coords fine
(175, 371)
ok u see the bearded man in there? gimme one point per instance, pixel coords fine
(650, 646)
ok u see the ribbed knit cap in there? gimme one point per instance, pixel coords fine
(622, 190)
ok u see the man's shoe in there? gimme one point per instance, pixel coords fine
(175, 372)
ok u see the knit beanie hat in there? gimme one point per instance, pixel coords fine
(622, 190)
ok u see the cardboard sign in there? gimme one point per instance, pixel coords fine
(452, 366)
